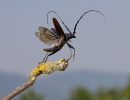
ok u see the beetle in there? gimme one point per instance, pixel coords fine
(56, 38)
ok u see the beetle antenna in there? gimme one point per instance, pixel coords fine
(60, 19)
(83, 15)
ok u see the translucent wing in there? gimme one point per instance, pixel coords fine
(46, 36)
(54, 30)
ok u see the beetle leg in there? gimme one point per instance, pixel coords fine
(70, 46)
(53, 53)
(45, 58)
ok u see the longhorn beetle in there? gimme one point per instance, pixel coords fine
(71, 35)
(57, 38)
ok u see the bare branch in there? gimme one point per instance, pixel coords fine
(19, 90)
(42, 68)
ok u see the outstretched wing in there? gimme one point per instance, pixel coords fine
(54, 30)
(59, 29)
(46, 36)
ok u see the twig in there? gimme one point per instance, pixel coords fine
(42, 68)
(19, 89)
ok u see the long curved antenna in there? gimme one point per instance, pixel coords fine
(83, 15)
(60, 19)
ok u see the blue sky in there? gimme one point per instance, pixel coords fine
(99, 48)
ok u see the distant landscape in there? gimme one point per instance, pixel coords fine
(58, 85)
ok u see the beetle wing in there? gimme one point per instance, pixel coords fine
(46, 36)
(59, 29)
(54, 30)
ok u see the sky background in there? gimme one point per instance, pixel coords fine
(99, 48)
